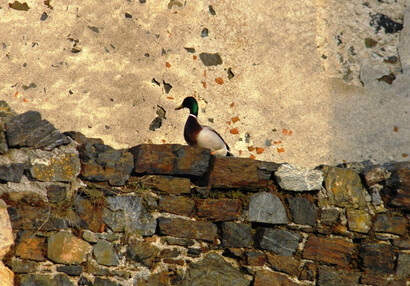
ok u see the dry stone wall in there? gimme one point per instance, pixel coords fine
(74, 211)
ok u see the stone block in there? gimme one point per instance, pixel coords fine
(343, 188)
(170, 159)
(29, 130)
(44, 279)
(336, 251)
(90, 214)
(176, 205)
(328, 276)
(267, 208)
(128, 214)
(285, 264)
(65, 248)
(255, 258)
(236, 235)
(308, 272)
(31, 246)
(167, 184)
(187, 228)
(377, 257)
(3, 141)
(398, 186)
(6, 233)
(376, 175)
(302, 210)
(298, 179)
(71, 270)
(403, 265)
(359, 220)
(213, 269)
(391, 223)
(330, 215)
(11, 172)
(282, 242)
(22, 266)
(241, 173)
(219, 209)
(268, 278)
(104, 253)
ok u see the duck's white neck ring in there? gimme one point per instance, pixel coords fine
(192, 115)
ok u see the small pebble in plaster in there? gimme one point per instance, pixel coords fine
(146, 55)
(370, 43)
(251, 148)
(44, 16)
(70, 92)
(219, 80)
(379, 21)
(404, 155)
(230, 74)
(388, 78)
(167, 87)
(209, 59)
(107, 127)
(211, 120)
(204, 33)
(253, 157)
(174, 3)
(94, 29)
(259, 150)
(280, 150)
(47, 3)
(235, 119)
(128, 15)
(211, 10)
(154, 81)
(396, 129)
(247, 137)
(143, 1)
(268, 143)
(31, 85)
(203, 84)
(190, 50)
(19, 6)
(234, 131)
(167, 64)
(106, 50)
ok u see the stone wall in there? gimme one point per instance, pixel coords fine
(74, 211)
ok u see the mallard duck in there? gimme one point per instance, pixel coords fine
(204, 136)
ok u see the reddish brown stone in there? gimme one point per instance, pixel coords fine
(167, 184)
(176, 205)
(399, 183)
(242, 173)
(308, 272)
(187, 228)
(376, 175)
(174, 261)
(170, 159)
(255, 258)
(268, 278)
(170, 253)
(391, 224)
(90, 214)
(377, 257)
(379, 280)
(329, 250)
(31, 247)
(219, 210)
(285, 264)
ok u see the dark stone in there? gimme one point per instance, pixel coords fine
(266, 207)
(377, 257)
(337, 251)
(241, 173)
(391, 224)
(402, 243)
(376, 175)
(44, 16)
(194, 252)
(44, 280)
(29, 130)
(213, 268)
(255, 258)
(104, 253)
(282, 242)
(170, 253)
(397, 188)
(142, 252)
(285, 264)
(98, 281)
(128, 15)
(3, 142)
(72, 270)
(268, 278)
(57, 193)
(379, 21)
(19, 266)
(219, 209)
(204, 33)
(128, 213)
(83, 281)
(190, 50)
(11, 172)
(303, 211)
(176, 205)
(329, 276)
(170, 159)
(308, 272)
(167, 184)
(209, 59)
(403, 265)
(236, 235)
(211, 10)
(187, 228)
(90, 214)
(178, 241)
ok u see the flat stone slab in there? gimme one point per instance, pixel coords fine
(282, 242)
(170, 159)
(219, 209)
(298, 179)
(65, 248)
(241, 173)
(267, 208)
(236, 235)
(187, 228)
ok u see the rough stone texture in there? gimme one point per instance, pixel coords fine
(255, 258)
(282, 242)
(376, 175)
(31, 247)
(343, 188)
(403, 265)
(3, 141)
(242, 173)
(266, 278)
(176, 205)
(219, 210)
(391, 223)
(377, 257)
(19, 266)
(60, 165)
(71, 270)
(11, 172)
(308, 272)
(285, 264)
(57, 193)
(359, 220)
(187, 228)
(298, 179)
(170, 159)
(398, 187)
(236, 235)
(167, 184)
(105, 254)
(330, 277)
(213, 268)
(44, 279)
(65, 248)
(302, 210)
(128, 213)
(330, 215)
(142, 252)
(6, 241)
(28, 129)
(329, 250)
(90, 214)
(267, 208)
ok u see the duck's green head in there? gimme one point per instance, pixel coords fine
(191, 104)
